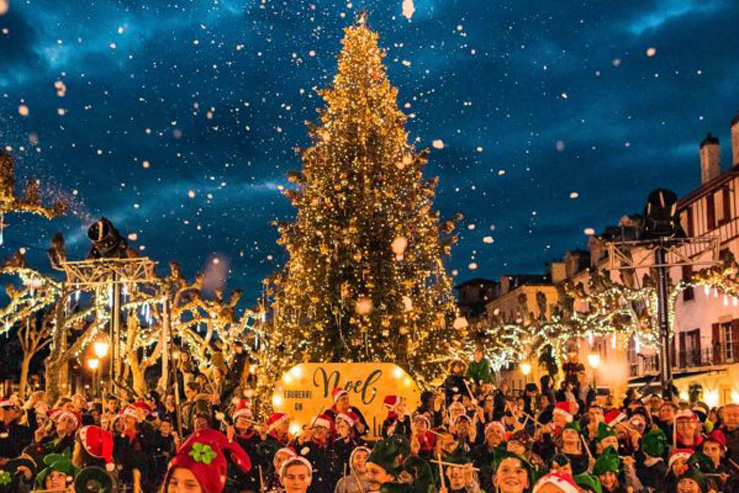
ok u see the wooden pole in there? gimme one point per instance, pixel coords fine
(587, 448)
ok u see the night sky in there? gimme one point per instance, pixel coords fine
(179, 119)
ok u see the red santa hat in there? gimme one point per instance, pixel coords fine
(424, 418)
(128, 411)
(143, 406)
(276, 419)
(8, 403)
(614, 417)
(58, 414)
(565, 409)
(678, 454)
(494, 424)
(347, 418)
(718, 437)
(456, 405)
(391, 402)
(686, 414)
(287, 450)
(202, 454)
(295, 460)
(460, 417)
(561, 480)
(337, 393)
(99, 444)
(243, 408)
(322, 420)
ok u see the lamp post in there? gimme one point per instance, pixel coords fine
(101, 350)
(526, 369)
(594, 362)
(93, 364)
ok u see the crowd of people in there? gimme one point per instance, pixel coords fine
(468, 436)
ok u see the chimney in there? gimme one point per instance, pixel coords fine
(735, 139)
(558, 272)
(710, 158)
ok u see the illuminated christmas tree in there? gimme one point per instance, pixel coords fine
(365, 279)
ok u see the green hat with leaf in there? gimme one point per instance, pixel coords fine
(702, 463)
(607, 462)
(573, 425)
(588, 482)
(605, 431)
(654, 443)
(56, 462)
(390, 453)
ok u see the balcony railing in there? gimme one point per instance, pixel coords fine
(716, 354)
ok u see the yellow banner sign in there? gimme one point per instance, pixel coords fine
(305, 391)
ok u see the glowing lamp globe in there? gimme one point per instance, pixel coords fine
(594, 360)
(101, 348)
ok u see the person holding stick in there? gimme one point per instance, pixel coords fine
(342, 404)
(460, 475)
(570, 444)
(687, 430)
(484, 454)
(455, 384)
(356, 481)
(384, 464)
(242, 431)
(314, 446)
(651, 467)
(730, 429)
(345, 442)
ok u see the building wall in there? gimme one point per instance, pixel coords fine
(507, 304)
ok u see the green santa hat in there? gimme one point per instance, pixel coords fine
(697, 476)
(390, 453)
(607, 462)
(458, 457)
(604, 431)
(654, 443)
(702, 463)
(588, 483)
(56, 462)
(572, 425)
(501, 455)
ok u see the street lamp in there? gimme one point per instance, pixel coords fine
(101, 349)
(594, 362)
(525, 369)
(94, 364)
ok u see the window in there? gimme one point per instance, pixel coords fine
(727, 204)
(727, 330)
(710, 212)
(693, 347)
(688, 293)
